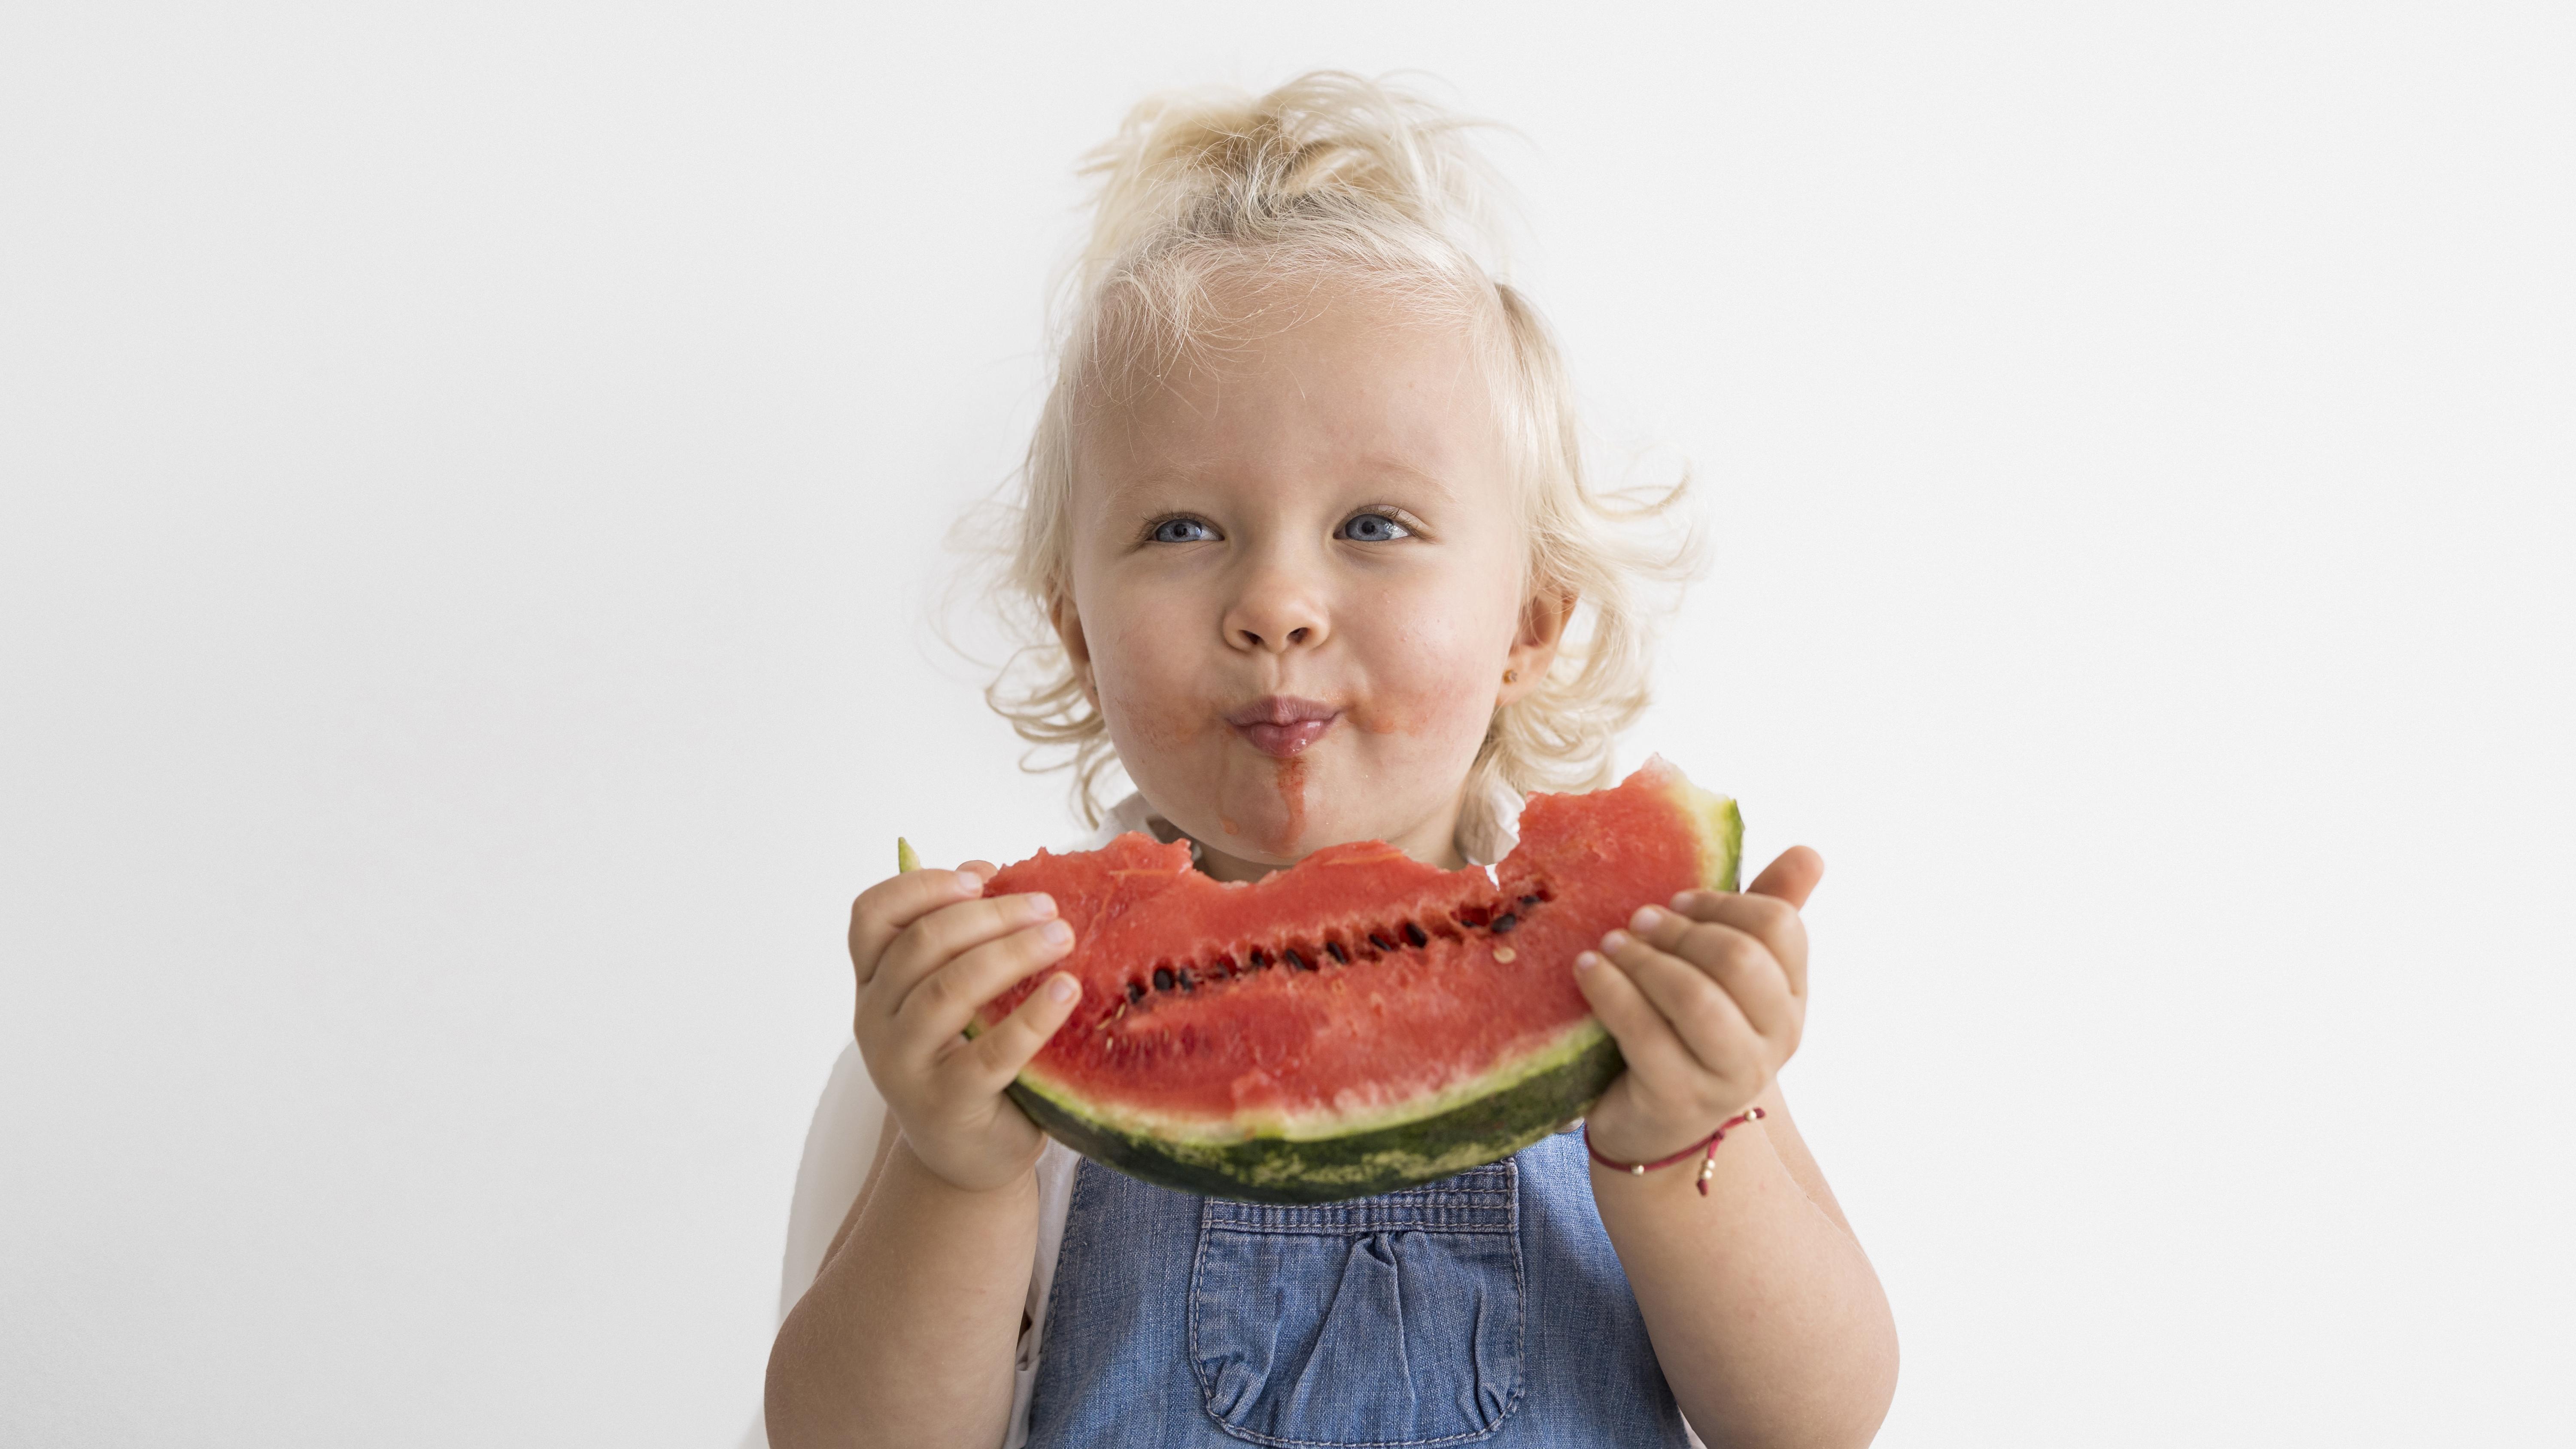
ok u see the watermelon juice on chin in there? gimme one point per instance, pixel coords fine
(1360, 1021)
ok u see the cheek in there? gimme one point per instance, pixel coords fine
(1148, 692)
(1436, 675)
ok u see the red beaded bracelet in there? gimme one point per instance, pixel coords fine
(1707, 1168)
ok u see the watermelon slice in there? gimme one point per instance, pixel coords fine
(1361, 1021)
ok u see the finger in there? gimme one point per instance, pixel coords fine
(1645, 1038)
(929, 942)
(885, 910)
(1791, 878)
(983, 868)
(948, 998)
(1743, 967)
(1721, 1039)
(994, 1057)
(1767, 919)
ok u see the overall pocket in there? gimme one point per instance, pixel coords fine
(1389, 1321)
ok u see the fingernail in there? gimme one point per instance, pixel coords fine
(1646, 919)
(1682, 900)
(1041, 907)
(1062, 988)
(1615, 941)
(1585, 961)
(1056, 933)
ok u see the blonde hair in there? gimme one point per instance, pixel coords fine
(1330, 177)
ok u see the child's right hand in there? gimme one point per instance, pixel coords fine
(930, 948)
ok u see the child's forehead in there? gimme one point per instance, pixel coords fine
(1147, 457)
(1384, 392)
(1251, 328)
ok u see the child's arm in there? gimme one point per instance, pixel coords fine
(907, 1335)
(1766, 1316)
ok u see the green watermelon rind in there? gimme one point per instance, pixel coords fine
(1509, 1108)
(1518, 1102)
(1717, 822)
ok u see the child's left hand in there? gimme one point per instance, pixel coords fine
(1706, 1001)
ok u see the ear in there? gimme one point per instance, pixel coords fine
(1543, 620)
(1068, 631)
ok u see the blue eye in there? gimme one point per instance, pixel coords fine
(1372, 528)
(1182, 530)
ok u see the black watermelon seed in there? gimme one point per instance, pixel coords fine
(1414, 934)
(1336, 948)
(1504, 923)
(1258, 960)
(1295, 961)
(1532, 900)
(1379, 942)
(1162, 978)
(1135, 991)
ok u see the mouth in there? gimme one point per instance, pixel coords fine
(1282, 725)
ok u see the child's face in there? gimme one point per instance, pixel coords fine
(1297, 585)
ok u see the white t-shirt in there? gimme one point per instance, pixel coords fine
(850, 1118)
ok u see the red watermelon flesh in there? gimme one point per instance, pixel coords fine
(1360, 1020)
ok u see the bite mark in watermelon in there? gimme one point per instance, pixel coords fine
(1361, 1021)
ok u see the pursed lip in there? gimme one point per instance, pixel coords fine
(1283, 725)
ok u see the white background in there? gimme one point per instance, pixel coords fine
(474, 482)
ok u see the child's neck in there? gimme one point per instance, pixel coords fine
(1433, 842)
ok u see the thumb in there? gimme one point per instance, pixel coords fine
(1791, 878)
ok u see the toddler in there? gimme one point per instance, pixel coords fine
(1305, 524)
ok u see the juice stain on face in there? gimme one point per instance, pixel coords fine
(1377, 719)
(1292, 794)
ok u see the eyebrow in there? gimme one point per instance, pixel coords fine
(1121, 490)
(1403, 471)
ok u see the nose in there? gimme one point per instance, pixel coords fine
(1279, 608)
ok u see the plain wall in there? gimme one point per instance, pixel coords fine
(475, 480)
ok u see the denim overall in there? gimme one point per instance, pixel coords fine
(1485, 1309)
